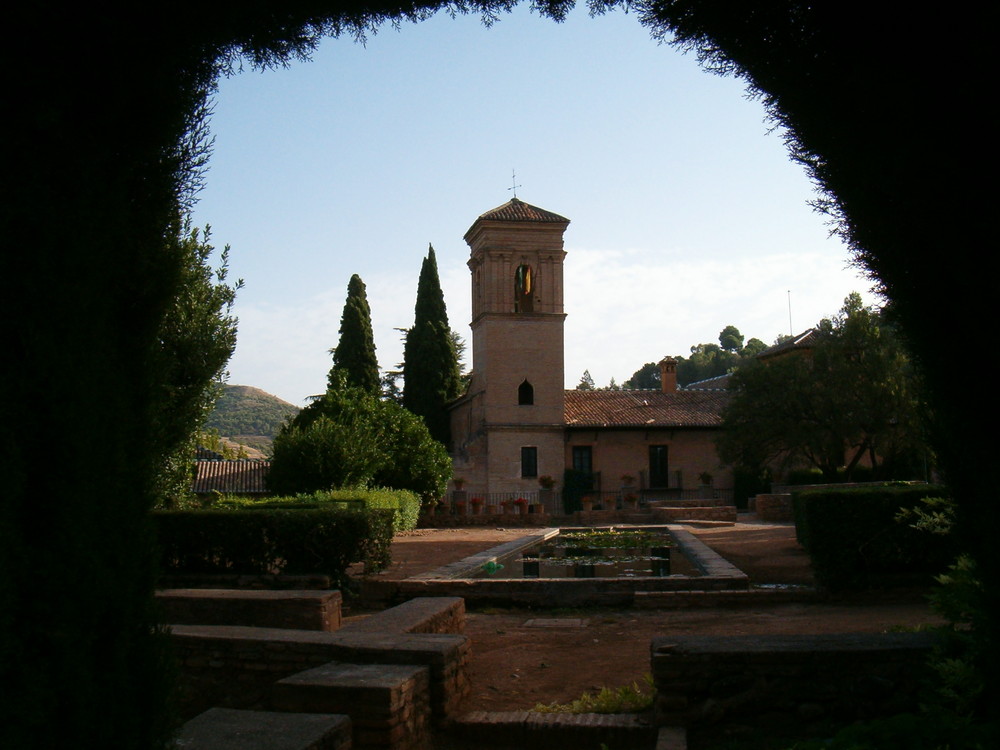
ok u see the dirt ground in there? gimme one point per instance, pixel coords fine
(521, 657)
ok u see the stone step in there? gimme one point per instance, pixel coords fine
(389, 704)
(233, 729)
(542, 731)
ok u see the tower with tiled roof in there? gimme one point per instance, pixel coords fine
(508, 428)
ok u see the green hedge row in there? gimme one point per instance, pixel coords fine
(404, 504)
(856, 542)
(272, 540)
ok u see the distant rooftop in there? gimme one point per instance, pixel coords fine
(718, 383)
(805, 340)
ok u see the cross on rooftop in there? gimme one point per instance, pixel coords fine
(514, 186)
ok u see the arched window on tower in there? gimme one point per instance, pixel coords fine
(525, 394)
(524, 289)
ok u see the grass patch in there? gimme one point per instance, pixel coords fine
(627, 699)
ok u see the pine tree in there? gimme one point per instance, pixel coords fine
(355, 354)
(430, 364)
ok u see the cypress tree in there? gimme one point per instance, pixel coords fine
(430, 364)
(355, 354)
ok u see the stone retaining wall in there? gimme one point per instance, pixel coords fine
(773, 507)
(301, 610)
(234, 667)
(795, 683)
(726, 513)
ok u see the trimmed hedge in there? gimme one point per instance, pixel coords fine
(855, 541)
(273, 540)
(404, 504)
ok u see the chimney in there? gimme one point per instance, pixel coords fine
(668, 375)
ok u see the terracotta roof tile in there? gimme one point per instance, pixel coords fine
(805, 340)
(516, 210)
(243, 477)
(644, 408)
(718, 383)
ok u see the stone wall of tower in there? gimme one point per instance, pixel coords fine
(513, 352)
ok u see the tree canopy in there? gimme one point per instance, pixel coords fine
(646, 377)
(355, 352)
(349, 437)
(196, 339)
(853, 396)
(431, 376)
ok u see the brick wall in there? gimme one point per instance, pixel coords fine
(798, 684)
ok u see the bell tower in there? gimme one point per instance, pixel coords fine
(509, 427)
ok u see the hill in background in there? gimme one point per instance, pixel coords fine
(250, 416)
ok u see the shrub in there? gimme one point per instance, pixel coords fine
(273, 540)
(855, 539)
(349, 438)
(404, 504)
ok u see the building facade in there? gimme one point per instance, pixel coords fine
(516, 421)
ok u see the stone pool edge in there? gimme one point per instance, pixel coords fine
(718, 576)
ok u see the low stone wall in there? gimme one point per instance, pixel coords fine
(773, 507)
(799, 684)
(420, 615)
(456, 579)
(235, 667)
(301, 610)
(453, 521)
(727, 513)
(232, 729)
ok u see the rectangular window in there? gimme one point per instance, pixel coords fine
(583, 458)
(658, 466)
(529, 461)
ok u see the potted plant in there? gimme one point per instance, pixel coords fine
(459, 482)
(507, 505)
(587, 502)
(460, 508)
(627, 480)
(522, 505)
(630, 500)
(546, 482)
(476, 504)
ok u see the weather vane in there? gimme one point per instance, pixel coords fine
(513, 179)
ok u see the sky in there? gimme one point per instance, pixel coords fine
(687, 214)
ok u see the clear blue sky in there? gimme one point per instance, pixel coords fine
(687, 213)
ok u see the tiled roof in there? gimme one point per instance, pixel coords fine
(644, 408)
(718, 383)
(243, 477)
(516, 210)
(805, 340)
(203, 453)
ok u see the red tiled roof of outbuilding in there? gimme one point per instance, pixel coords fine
(644, 408)
(241, 477)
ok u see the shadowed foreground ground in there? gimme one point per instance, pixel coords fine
(521, 657)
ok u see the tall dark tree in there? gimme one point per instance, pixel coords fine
(430, 363)
(355, 353)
